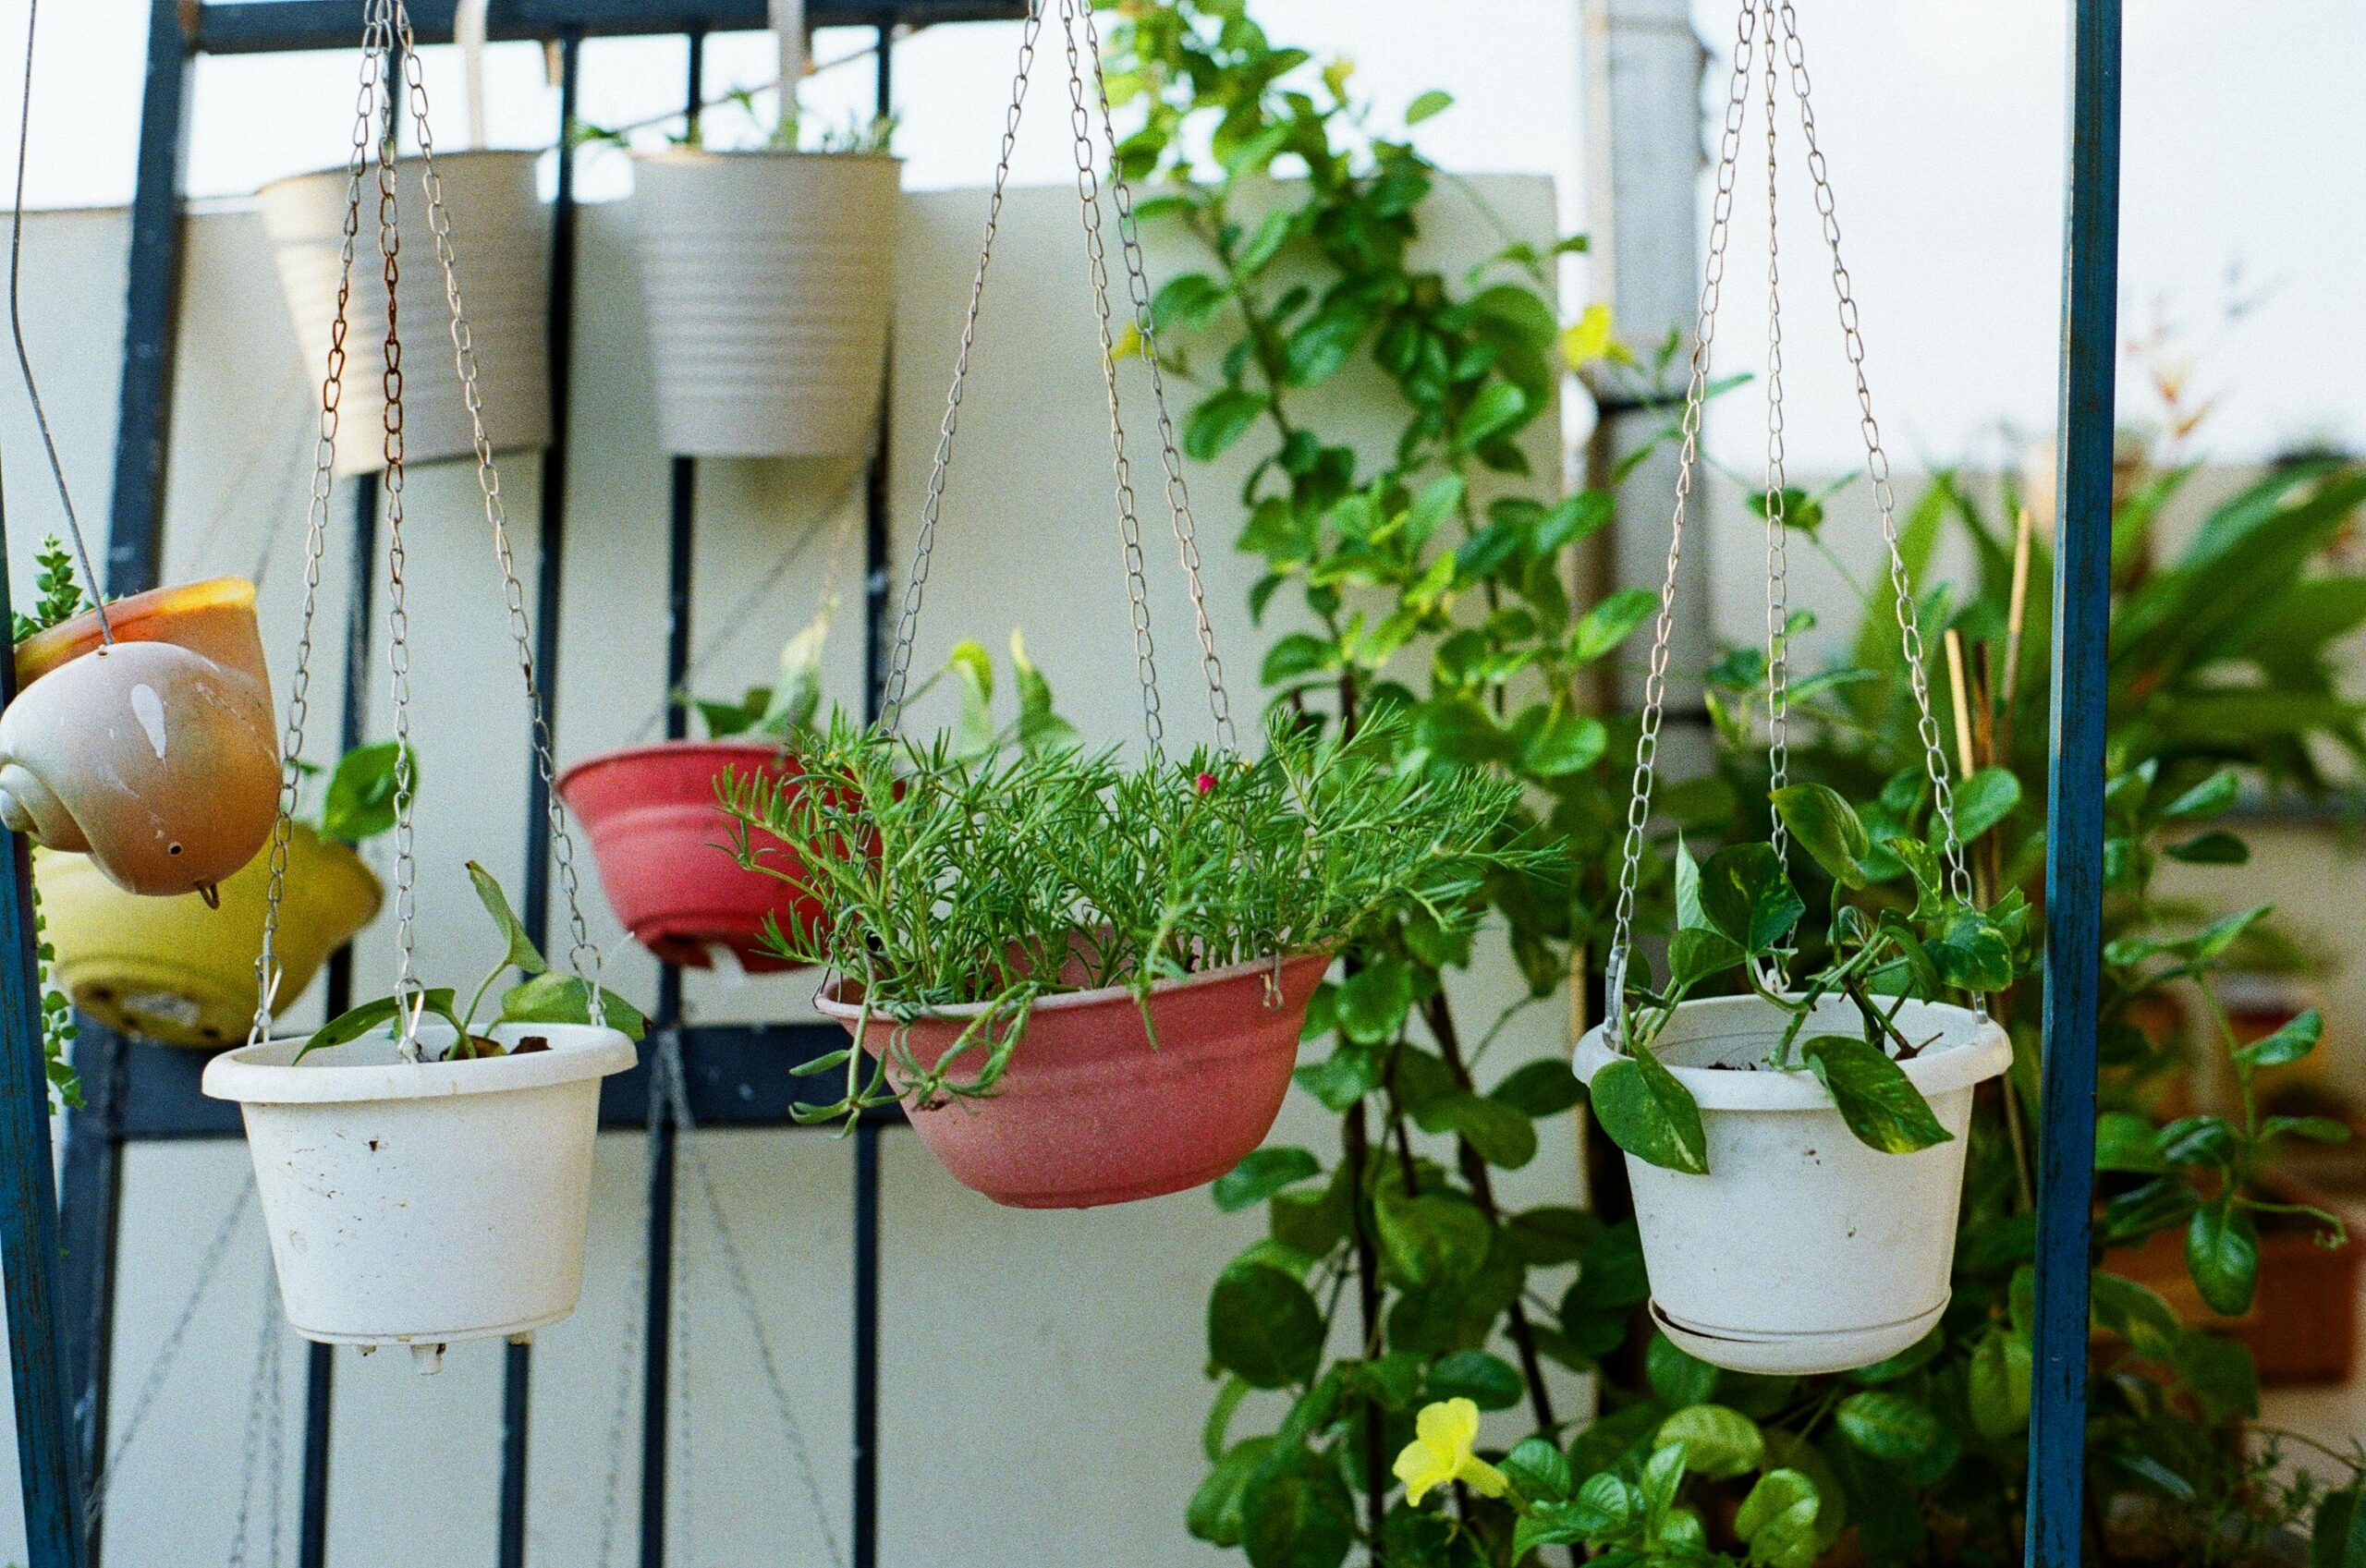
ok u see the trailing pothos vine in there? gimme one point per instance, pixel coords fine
(1434, 582)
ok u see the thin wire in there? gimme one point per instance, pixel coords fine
(17, 329)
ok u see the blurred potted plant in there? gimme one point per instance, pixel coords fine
(768, 273)
(1085, 981)
(178, 971)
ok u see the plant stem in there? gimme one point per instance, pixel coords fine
(1483, 1188)
(1358, 1141)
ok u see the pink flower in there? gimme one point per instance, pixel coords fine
(1205, 784)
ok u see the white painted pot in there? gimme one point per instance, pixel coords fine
(501, 250)
(1802, 1251)
(424, 1204)
(769, 279)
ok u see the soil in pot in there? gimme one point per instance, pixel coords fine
(424, 1204)
(1090, 1110)
(1801, 1249)
(157, 756)
(664, 847)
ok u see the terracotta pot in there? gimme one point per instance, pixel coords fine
(663, 846)
(2302, 1326)
(1089, 1111)
(156, 757)
(172, 969)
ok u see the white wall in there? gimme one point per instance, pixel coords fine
(1042, 1380)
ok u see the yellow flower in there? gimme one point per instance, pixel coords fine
(1590, 338)
(1440, 1452)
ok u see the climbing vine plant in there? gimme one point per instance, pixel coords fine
(1435, 578)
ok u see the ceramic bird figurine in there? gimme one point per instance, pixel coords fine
(154, 754)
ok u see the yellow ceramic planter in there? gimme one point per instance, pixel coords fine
(171, 969)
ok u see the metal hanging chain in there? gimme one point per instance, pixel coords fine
(16, 330)
(1639, 805)
(1129, 533)
(409, 995)
(583, 954)
(1778, 532)
(1089, 187)
(1179, 490)
(167, 1355)
(1934, 753)
(375, 39)
(736, 1270)
(899, 663)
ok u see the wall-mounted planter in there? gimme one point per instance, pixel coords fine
(500, 241)
(769, 280)
(424, 1204)
(1802, 1251)
(157, 756)
(664, 849)
(1091, 1111)
(172, 969)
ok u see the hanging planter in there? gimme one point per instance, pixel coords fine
(1086, 982)
(1801, 1249)
(427, 1181)
(181, 972)
(664, 849)
(153, 755)
(500, 239)
(768, 276)
(1113, 1096)
(428, 1202)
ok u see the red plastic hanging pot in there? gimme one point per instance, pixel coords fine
(663, 846)
(1089, 1111)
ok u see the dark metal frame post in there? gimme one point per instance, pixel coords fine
(46, 1461)
(2074, 790)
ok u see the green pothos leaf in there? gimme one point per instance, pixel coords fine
(1649, 1114)
(1876, 1098)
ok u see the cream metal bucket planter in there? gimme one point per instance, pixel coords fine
(424, 1203)
(769, 281)
(1802, 1251)
(501, 246)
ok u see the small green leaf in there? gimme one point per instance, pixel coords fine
(1827, 827)
(2207, 798)
(1538, 1471)
(369, 1019)
(522, 951)
(1432, 103)
(1649, 1114)
(1500, 1134)
(1488, 1381)
(1998, 1384)
(1432, 1239)
(1889, 1425)
(1777, 1520)
(1222, 418)
(1264, 1327)
(1261, 1174)
(564, 999)
(1983, 800)
(1499, 409)
(2125, 1141)
(2222, 1254)
(1539, 1089)
(1745, 894)
(2288, 1044)
(1373, 1002)
(2217, 847)
(1876, 1098)
(360, 803)
(1718, 1440)
(1563, 743)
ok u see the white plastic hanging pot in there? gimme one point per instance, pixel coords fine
(1802, 1251)
(424, 1203)
(768, 278)
(500, 241)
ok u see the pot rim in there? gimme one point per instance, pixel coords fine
(53, 647)
(685, 746)
(716, 154)
(248, 1075)
(1979, 1051)
(443, 159)
(826, 998)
